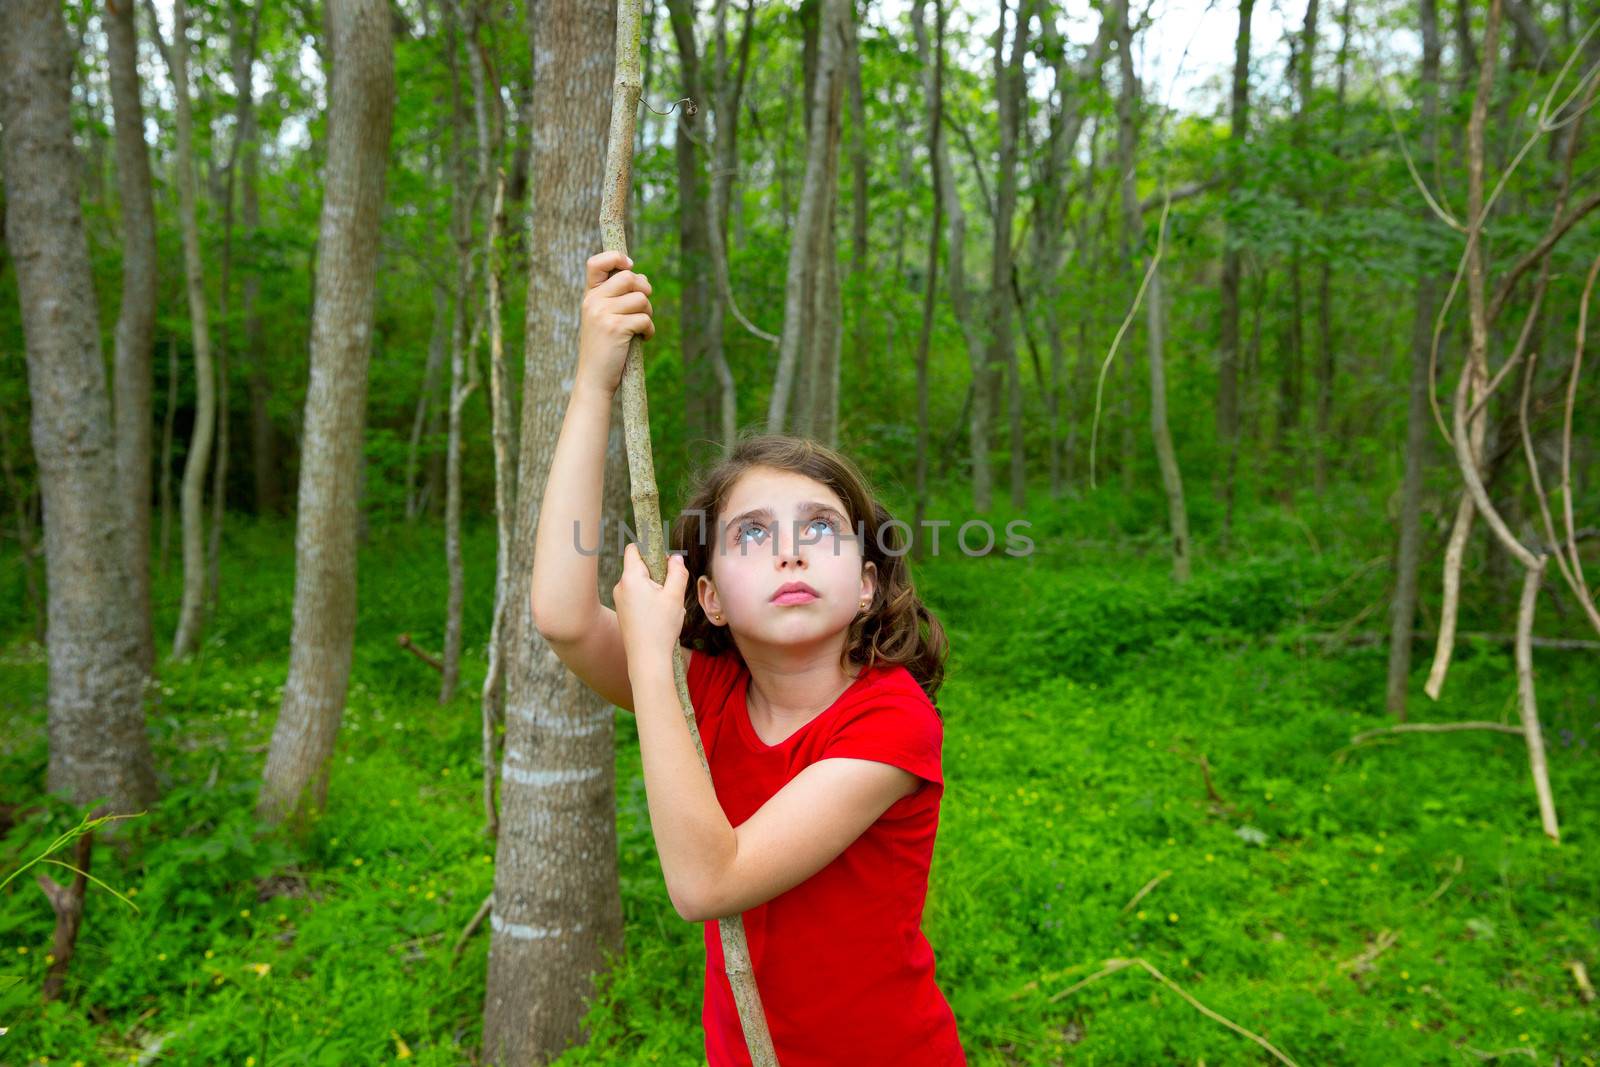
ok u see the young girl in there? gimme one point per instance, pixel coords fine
(812, 671)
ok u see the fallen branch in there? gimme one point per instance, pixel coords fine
(472, 926)
(1112, 966)
(1362, 963)
(1580, 975)
(405, 642)
(1434, 728)
(1205, 773)
(1367, 637)
(1151, 884)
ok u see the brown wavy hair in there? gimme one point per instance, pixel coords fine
(897, 627)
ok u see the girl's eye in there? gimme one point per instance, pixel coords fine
(746, 528)
(824, 521)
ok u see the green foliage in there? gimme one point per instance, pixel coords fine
(1083, 690)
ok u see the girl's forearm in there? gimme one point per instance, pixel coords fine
(565, 590)
(693, 836)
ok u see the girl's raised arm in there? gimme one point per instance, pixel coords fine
(564, 592)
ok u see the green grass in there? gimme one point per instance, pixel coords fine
(1083, 690)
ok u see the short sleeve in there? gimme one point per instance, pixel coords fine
(897, 730)
(708, 680)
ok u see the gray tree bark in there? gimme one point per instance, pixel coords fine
(1155, 308)
(1228, 349)
(263, 435)
(935, 103)
(557, 904)
(1408, 553)
(464, 195)
(702, 399)
(191, 611)
(956, 279)
(1049, 234)
(360, 111)
(1012, 101)
(725, 154)
(98, 746)
(427, 400)
(816, 195)
(136, 317)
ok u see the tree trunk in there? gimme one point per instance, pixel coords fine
(164, 465)
(1476, 372)
(136, 318)
(1228, 352)
(242, 46)
(360, 111)
(1012, 103)
(1408, 553)
(191, 612)
(702, 412)
(860, 274)
(935, 100)
(1049, 235)
(816, 194)
(463, 202)
(1327, 359)
(490, 139)
(1155, 307)
(960, 299)
(263, 435)
(98, 747)
(819, 414)
(1291, 384)
(729, 92)
(427, 400)
(557, 905)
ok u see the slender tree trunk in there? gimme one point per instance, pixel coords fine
(463, 203)
(860, 275)
(1327, 362)
(821, 402)
(22, 503)
(136, 317)
(1291, 388)
(1228, 353)
(1155, 306)
(242, 46)
(1012, 101)
(815, 196)
(1477, 369)
(930, 290)
(360, 111)
(263, 435)
(98, 747)
(427, 400)
(725, 154)
(490, 139)
(165, 463)
(191, 612)
(960, 299)
(557, 905)
(701, 392)
(1408, 553)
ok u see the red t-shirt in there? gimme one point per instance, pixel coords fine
(844, 971)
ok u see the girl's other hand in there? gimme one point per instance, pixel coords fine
(615, 307)
(649, 615)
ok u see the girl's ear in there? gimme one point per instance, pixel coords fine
(869, 580)
(706, 594)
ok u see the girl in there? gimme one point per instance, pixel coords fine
(812, 671)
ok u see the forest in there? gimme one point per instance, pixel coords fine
(1266, 324)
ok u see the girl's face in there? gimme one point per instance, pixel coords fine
(776, 529)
